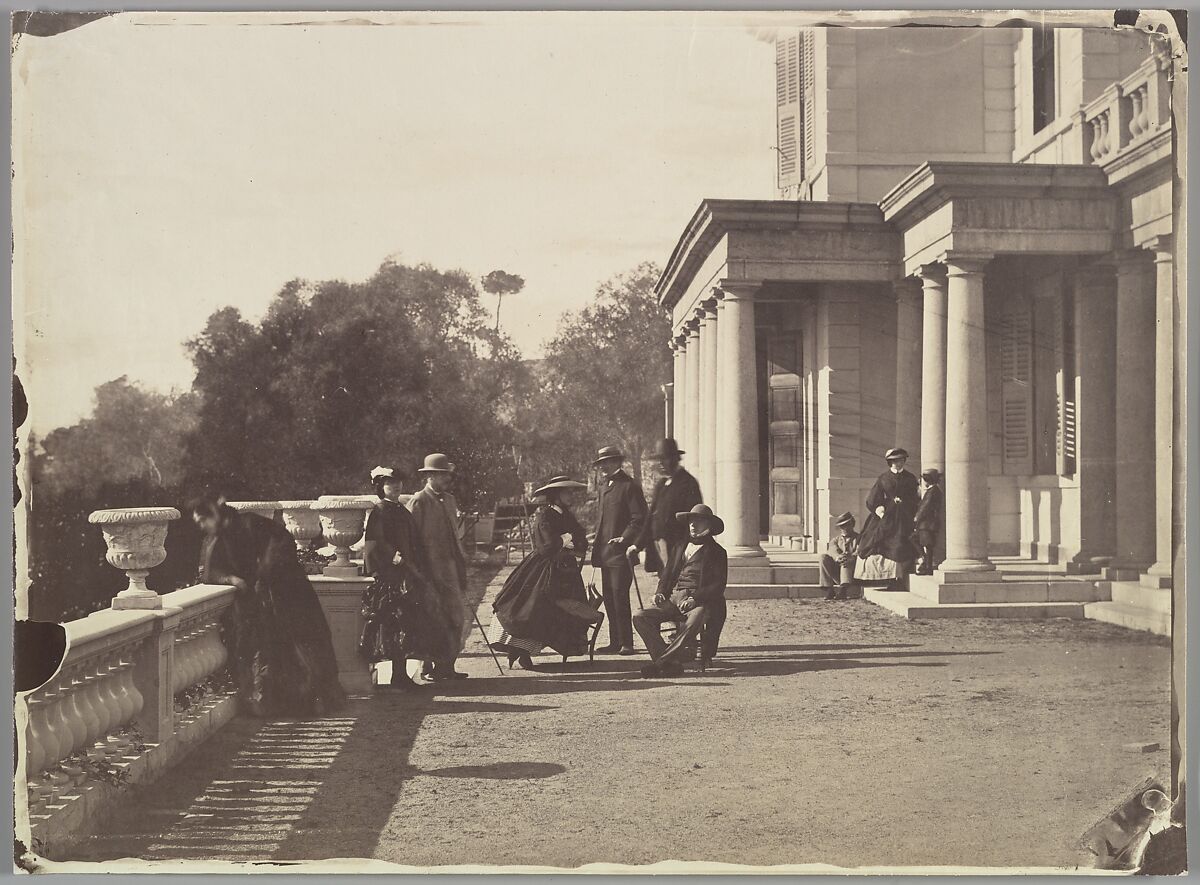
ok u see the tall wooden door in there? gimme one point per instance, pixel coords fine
(787, 452)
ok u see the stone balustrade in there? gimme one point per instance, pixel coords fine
(1127, 113)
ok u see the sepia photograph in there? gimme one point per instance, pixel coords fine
(627, 442)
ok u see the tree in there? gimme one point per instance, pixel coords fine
(339, 377)
(600, 382)
(499, 283)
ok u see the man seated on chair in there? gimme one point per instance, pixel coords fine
(688, 587)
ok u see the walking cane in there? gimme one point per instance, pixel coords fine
(637, 589)
(483, 633)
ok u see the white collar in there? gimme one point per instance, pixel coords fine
(555, 507)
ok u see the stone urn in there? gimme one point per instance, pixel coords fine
(343, 519)
(135, 537)
(301, 521)
(262, 508)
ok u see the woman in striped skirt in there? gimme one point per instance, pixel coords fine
(543, 603)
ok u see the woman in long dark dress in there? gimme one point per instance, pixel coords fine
(543, 603)
(402, 614)
(280, 649)
(885, 548)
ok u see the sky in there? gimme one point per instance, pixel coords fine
(167, 166)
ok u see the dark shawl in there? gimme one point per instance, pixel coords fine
(890, 537)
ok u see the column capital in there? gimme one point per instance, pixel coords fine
(965, 264)
(692, 328)
(708, 308)
(1161, 246)
(932, 273)
(739, 290)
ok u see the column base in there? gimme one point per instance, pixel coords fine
(1124, 571)
(746, 555)
(961, 571)
(1155, 579)
(1087, 565)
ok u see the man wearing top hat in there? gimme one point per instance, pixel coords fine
(930, 523)
(436, 514)
(837, 563)
(675, 492)
(690, 584)
(621, 516)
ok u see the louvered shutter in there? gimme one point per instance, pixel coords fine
(1016, 385)
(1066, 386)
(787, 106)
(807, 102)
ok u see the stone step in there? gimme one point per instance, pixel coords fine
(1007, 591)
(1140, 596)
(1134, 617)
(774, 591)
(796, 574)
(912, 606)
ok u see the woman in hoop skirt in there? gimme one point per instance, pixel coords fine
(543, 602)
(403, 616)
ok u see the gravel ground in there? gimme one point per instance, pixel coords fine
(831, 733)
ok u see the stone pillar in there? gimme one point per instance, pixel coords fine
(908, 368)
(1135, 525)
(933, 368)
(691, 441)
(1095, 423)
(708, 402)
(737, 440)
(1159, 574)
(966, 424)
(679, 392)
(668, 392)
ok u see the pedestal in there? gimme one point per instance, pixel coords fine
(341, 600)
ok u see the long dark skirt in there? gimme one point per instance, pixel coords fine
(530, 607)
(403, 620)
(281, 656)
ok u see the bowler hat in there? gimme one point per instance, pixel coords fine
(703, 511)
(932, 475)
(893, 454)
(559, 482)
(846, 518)
(437, 463)
(667, 448)
(608, 452)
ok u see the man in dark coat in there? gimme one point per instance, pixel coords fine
(930, 523)
(621, 518)
(692, 582)
(885, 548)
(676, 491)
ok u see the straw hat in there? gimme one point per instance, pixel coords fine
(559, 482)
(716, 525)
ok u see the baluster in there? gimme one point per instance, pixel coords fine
(1135, 113)
(221, 653)
(212, 646)
(1146, 120)
(97, 715)
(185, 660)
(73, 713)
(1094, 148)
(57, 728)
(179, 662)
(1105, 133)
(131, 698)
(108, 695)
(40, 744)
(98, 677)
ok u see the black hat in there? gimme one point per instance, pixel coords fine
(893, 454)
(667, 448)
(559, 482)
(846, 518)
(716, 525)
(607, 453)
(932, 475)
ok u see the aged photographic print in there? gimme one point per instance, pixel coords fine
(602, 441)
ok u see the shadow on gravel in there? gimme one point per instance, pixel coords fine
(498, 771)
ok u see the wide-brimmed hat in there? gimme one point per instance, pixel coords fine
(893, 454)
(388, 474)
(932, 475)
(559, 482)
(437, 463)
(608, 452)
(846, 518)
(703, 511)
(666, 448)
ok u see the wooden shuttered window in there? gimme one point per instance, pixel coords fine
(1066, 389)
(1016, 384)
(807, 100)
(789, 110)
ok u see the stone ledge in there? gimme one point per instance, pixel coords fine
(1019, 590)
(915, 607)
(774, 591)
(73, 815)
(1133, 617)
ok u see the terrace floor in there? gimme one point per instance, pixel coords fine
(831, 732)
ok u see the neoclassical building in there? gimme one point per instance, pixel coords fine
(973, 256)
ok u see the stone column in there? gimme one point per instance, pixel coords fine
(966, 424)
(737, 441)
(708, 402)
(933, 368)
(1135, 526)
(668, 392)
(908, 368)
(1159, 574)
(1095, 422)
(691, 441)
(679, 392)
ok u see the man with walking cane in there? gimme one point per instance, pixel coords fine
(621, 515)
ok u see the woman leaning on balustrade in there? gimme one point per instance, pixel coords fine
(280, 650)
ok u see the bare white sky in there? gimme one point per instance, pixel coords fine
(167, 166)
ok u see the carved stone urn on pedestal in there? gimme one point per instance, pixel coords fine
(135, 537)
(301, 521)
(262, 508)
(342, 522)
